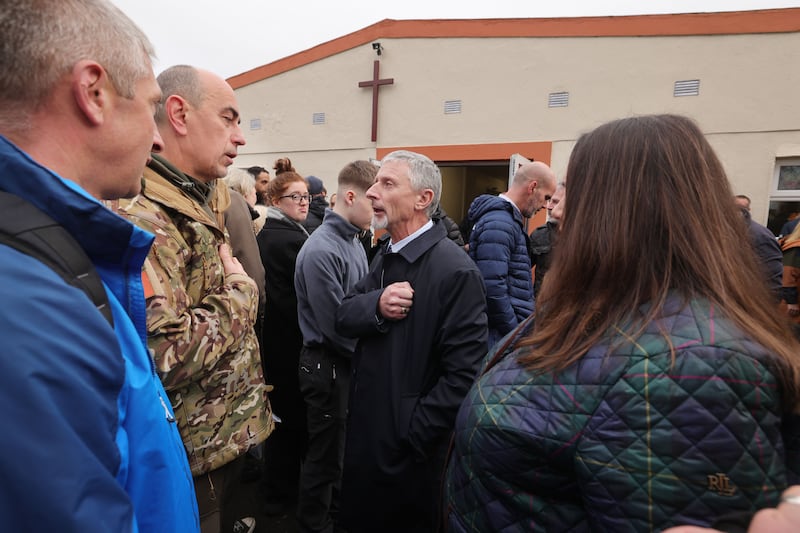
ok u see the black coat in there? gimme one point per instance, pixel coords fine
(279, 242)
(316, 213)
(768, 252)
(409, 378)
(539, 247)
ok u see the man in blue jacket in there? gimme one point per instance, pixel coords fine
(499, 245)
(89, 439)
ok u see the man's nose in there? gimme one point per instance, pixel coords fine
(158, 142)
(238, 137)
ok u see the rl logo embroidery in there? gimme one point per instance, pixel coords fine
(721, 484)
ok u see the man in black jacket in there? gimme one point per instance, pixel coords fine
(766, 247)
(317, 205)
(541, 241)
(420, 317)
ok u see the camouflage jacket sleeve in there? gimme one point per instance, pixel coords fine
(196, 314)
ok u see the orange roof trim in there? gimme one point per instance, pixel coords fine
(538, 151)
(727, 23)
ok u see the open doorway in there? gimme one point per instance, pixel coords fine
(469, 170)
(462, 182)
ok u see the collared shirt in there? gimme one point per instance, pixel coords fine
(397, 246)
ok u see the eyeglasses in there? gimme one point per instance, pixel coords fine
(296, 198)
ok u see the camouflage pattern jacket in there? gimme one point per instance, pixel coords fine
(200, 320)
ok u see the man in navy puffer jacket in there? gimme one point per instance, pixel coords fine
(499, 245)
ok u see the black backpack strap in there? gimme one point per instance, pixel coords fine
(27, 229)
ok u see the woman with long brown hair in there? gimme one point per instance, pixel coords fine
(655, 386)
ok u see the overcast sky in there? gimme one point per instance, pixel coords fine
(231, 37)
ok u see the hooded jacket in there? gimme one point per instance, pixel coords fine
(200, 319)
(499, 246)
(89, 440)
(316, 212)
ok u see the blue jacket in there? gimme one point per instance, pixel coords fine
(499, 246)
(88, 438)
(626, 438)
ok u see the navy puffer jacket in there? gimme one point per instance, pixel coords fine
(499, 246)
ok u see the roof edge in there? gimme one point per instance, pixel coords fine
(674, 24)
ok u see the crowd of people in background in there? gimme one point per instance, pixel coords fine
(191, 327)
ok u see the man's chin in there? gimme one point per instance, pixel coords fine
(379, 222)
(130, 192)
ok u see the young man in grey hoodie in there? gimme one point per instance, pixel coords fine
(330, 263)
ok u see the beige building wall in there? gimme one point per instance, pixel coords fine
(748, 102)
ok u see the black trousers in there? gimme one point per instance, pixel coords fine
(324, 382)
(286, 446)
(214, 492)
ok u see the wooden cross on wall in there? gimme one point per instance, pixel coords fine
(375, 83)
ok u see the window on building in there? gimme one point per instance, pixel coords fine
(784, 201)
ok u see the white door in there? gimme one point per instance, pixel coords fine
(514, 163)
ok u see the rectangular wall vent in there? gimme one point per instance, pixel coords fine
(686, 88)
(255, 123)
(452, 106)
(558, 99)
(318, 118)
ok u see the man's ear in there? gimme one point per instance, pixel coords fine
(532, 186)
(349, 197)
(424, 199)
(176, 109)
(91, 88)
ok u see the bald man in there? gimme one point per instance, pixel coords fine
(499, 245)
(201, 304)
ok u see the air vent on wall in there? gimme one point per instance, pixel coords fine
(686, 88)
(452, 106)
(558, 99)
(318, 118)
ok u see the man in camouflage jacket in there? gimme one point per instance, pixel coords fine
(201, 306)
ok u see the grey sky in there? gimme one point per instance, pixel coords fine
(232, 37)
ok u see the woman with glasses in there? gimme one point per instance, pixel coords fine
(279, 242)
(656, 384)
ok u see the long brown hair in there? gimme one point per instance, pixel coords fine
(649, 210)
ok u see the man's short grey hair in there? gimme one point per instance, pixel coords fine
(44, 39)
(240, 181)
(183, 80)
(423, 173)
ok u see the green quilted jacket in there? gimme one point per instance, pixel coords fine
(622, 440)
